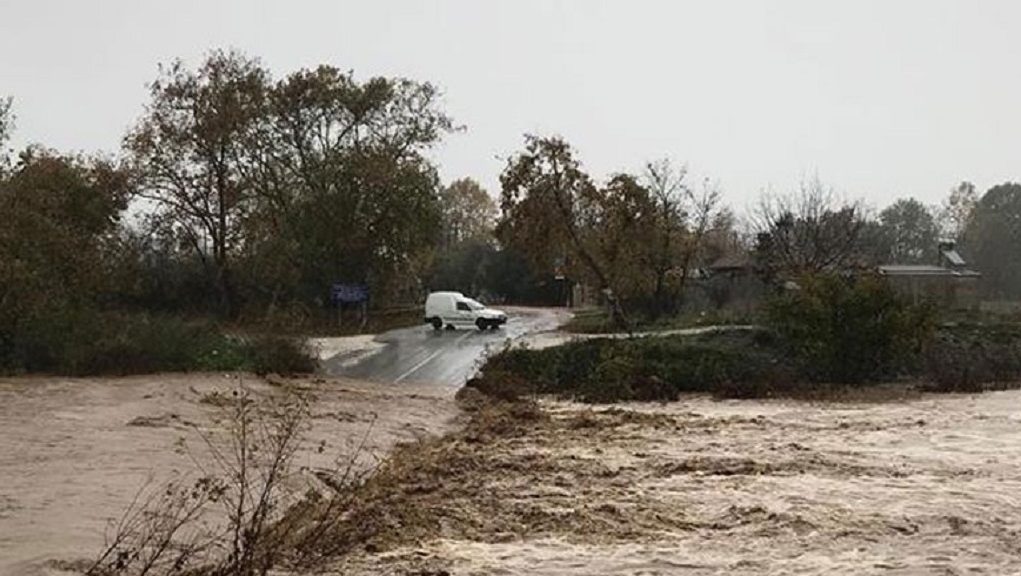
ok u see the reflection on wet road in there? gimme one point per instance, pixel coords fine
(423, 355)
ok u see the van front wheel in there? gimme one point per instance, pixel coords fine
(482, 324)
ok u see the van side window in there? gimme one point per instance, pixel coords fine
(463, 307)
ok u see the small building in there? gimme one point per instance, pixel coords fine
(949, 282)
(733, 282)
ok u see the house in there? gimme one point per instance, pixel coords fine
(949, 282)
(733, 282)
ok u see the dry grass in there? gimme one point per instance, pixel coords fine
(421, 488)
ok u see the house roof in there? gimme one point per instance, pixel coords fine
(732, 262)
(924, 270)
(953, 257)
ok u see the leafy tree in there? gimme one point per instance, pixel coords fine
(636, 238)
(544, 199)
(370, 227)
(59, 214)
(908, 233)
(849, 329)
(468, 212)
(508, 275)
(466, 248)
(344, 190)
(281, 188)
(993, 238)
(539, 187)
(189, 153)
(463, 267)
(619, 221)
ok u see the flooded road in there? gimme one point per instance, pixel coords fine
(440, 357)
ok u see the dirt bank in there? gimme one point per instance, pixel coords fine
(75, 451)
(927, 486)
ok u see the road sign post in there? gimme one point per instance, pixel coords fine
(342, 294)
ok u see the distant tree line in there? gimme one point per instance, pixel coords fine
(812, 230)
(242, 196)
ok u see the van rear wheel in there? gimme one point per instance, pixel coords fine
(437, 324)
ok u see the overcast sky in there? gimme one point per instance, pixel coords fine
(881, 99)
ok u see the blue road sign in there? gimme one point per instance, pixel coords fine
(349, 293)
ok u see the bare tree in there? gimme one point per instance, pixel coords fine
(808, 231)
(237, 518)
(668, 189)
(6, 126)
(684, 216)
(161, 532)
(957, 210)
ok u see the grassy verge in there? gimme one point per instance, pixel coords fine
(325, 323)
(973, 357)
(597, 321)
(750, 364)
(428, 487)
(119, 344)
(743, 364)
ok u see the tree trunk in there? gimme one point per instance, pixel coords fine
(225, 288)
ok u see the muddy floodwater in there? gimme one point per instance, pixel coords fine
(926, 486)
(930, 485)
(74, 452)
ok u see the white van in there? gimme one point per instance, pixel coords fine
(455, 310)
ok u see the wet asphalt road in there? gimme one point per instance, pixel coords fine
(447, 358)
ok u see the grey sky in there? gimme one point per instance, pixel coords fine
(880, 98)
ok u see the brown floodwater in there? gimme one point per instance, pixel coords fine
(930, 485)
(924, 486)
(74, 452)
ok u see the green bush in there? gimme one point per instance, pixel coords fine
(827, 338)
(129, 344)
(850, 330)
(644, 369)
(972, 358)
(283, 355)
(88, 342)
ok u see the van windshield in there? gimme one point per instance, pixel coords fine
(475, 305)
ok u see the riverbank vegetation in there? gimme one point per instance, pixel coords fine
(828, 335)
(235, 204)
